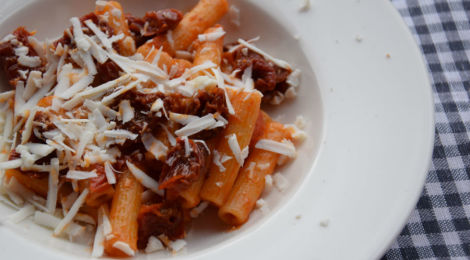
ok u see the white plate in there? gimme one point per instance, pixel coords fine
(370, 125)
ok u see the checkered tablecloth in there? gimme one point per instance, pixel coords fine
(439, 226)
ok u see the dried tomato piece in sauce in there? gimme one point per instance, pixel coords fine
(152, 24)
(267, 76)
(9, 60)
(158, 219)
(182, 167)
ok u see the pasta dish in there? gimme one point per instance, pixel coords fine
(120, 132)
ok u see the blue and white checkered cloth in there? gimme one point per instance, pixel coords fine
(439, 226)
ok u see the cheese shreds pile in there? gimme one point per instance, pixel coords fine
(83, 133)
(57, 121)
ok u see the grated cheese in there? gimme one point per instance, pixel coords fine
(234, 14)
(217, 162)
(169, 135)
(89, 63)
(15, 198)
(22, 214)
(291, 93)
(153, 245)
(101, 36)
(81, 175)
(124, 247)
(235, 148)
(277, 98)
(251, 167)
(154, 146)
(201, 83)
(80, 40)
(103, 217)
(98, 247)
(26, 134)
(108, 169)
(53, 188)
(212, 36)
(278, 62)
(183, 55)
(177, 245)
(268, 182)
(108, 99)
(294, 78)
(285, 147)
(157, 105)
(187, 147)
(12, 164)
(126, 111)
(4, 96)
(197, 125)
(28, 61)
(71, 214)
(182, 118)
(120, 133)
(280, 182)
(220, 83)
(37, 46)
(96, 51)
(85, 218)
(262, 206)
(144, 179)
(195, 212)
(32, 84)
(77, 87)
(106, 111)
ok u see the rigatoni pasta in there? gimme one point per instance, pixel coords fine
(125, 128)
(236, 138)
(123, 217)
(251, 178)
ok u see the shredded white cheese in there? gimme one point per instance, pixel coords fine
(120, 133)
(197, 125)
(22, 214)
(80, 40)
(81, 175)
(12, 164)
(126, 111)
(268, 182)
(234, 14)
(195, 212)
(177, 245)
(98, 247)
(280, 182)
(124, 247)
(285, 147)
(235, 148)
(262, 206)
(108, 169)
(212, 36)
(154, 146)
(278, 62)
(72, 212)
(53, 186)
(28, 61)
(182, 118)
(144, 179)
(153, 245)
